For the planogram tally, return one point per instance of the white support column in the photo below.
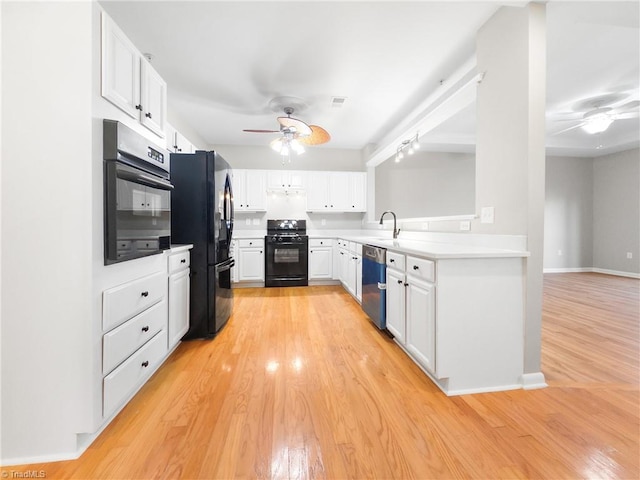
(510, 150)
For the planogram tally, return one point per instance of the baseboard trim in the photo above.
(617, 273)
(532, 381)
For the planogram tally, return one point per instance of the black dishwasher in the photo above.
(374, 286)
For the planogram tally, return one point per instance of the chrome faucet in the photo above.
(396, 231)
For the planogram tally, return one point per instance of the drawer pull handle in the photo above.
(184, 260)
(145, 364)
(392, 260)
(145, 294)
(406, 284)
(399, 281)
(145, 328)
(415, 267)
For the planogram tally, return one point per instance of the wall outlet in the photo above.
(323, 222)
(256, 221)
(487, 214)
(629, 255)
(465, 225)
(247, 221)
(559, 253)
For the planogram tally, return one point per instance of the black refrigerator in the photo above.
(202, 214)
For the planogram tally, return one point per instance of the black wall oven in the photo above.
(137, 195)
(286, 259)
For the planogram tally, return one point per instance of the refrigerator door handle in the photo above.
(228, 207)
(226, 265)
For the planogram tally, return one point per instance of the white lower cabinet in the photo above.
(396, 321)
(179, 291)
(349, 262)
(122, 382)
(320, 259)
(421, 322)
(249, 260)
(134, 342)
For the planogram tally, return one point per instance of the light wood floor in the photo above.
(301, 385)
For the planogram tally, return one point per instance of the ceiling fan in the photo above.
(294, 133)
(600, 113)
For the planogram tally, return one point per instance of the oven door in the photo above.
(137, 213)
(286, 263)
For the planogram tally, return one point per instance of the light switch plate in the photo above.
(487, 215)
(247, 221)
(256, 221)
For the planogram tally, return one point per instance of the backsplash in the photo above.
(293, 205)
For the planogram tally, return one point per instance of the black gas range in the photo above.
(286, 259)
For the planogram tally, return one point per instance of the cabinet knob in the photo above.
(391, 260)
(250, 243)
(138, 107)
(145, 294)
(311, 251)
(184, 260)
(148, 114)
(145, 328)
(415, 267)
(406, 284)
(145, 364)
(321, 243)
(399, 281)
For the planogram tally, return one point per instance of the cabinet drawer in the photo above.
(142, 245)
(124, 380)
(251, 242)
(395, 260)
(125, 301)
(320, 242)
(179, 261)
(421, 268)
(122, 341)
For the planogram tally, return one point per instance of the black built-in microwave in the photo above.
(137, 195)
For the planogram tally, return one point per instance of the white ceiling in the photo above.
(225, 61)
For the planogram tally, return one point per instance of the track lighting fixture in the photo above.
(410, 145)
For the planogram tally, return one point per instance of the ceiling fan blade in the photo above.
(627, 106)
(261, 131)
(570, 128)
(626, 116)
(300, 127)
(318, 136)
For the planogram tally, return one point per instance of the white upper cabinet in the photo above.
(249, 190)
(285, 180)
(176, 142)
(153, 93)
(337, 192)
(129, 81)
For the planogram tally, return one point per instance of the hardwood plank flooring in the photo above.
(300, 384)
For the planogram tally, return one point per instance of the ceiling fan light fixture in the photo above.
(597, 123)
(296, 146)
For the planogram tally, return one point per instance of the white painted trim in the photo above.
(532, 381)
(567, 270)
(605, 271)
(616, 273)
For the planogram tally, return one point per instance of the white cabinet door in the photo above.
(256, 190)
(396, 305)
(351, 282)
(339, 183)
(233, 253)
(359, 277)
(357, 192)
(251, 266)
(421, 322)
(320, 263)
(318, 192)
(344, 266)
(179, 286)
(249, 190)
(120, 69)
(285, 180)
(153, 93)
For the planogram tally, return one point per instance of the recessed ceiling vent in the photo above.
(338, 102)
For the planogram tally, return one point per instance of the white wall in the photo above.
(46, 223)
(510, 147)
(568, 222)
(616, 211)
(440, 184)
